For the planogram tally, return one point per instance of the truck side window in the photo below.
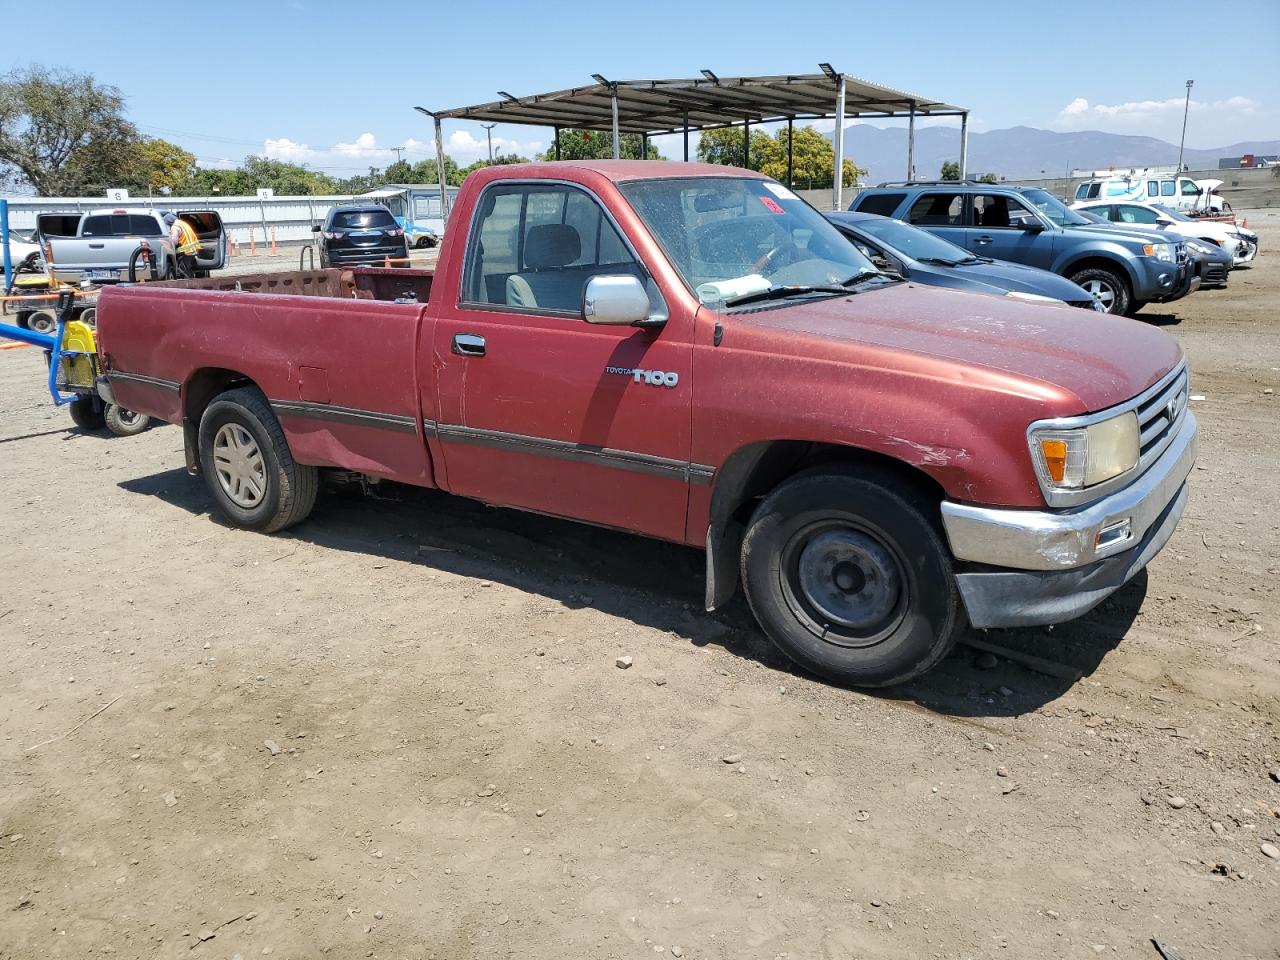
(535, 247)
(937, 210)
(1190, 189)
(1166, 188)
(1153, 188)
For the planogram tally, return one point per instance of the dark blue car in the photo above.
(920, 256)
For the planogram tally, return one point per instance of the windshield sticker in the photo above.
(779, 191)
(772, 205)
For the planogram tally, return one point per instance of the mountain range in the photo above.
(1024, 152)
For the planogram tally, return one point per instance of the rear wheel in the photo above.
(125, 423)
(42, 321)
(1107, 287)
(86, 413)
(248, 467)
(850, 579)
(89, 317)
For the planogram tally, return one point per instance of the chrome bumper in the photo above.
(1065, 539)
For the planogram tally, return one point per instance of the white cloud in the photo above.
(1150, 117)
(288, 150)
(464, 147)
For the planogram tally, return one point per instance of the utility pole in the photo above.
(398, 151)
(488, 132)
(1185, 110)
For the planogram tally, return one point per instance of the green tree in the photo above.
(288, 179)
(598, 145)
(989, 178)
(154, 164)
(950, 170)
(723, 145)
(813, 159)
(61, 132)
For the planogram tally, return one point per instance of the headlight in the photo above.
(1085, 456)
(1033, 297)
(1161, 251)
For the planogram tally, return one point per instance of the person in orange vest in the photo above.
(185, 243)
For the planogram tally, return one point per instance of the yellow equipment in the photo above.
(78, 366)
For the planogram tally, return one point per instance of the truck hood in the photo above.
(1099, 359)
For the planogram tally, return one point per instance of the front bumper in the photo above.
(1048, 566)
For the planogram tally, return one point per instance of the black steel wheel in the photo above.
(847, 572)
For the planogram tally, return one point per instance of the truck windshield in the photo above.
(735, 236)
(1053, 208)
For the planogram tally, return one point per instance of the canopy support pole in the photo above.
(617, 140)
(791, 182)
(911, 142)
(444, 180)
(746, 144)
(964, 145)
(644, 146)
(686, 136)
(837, 139)
(557, 153)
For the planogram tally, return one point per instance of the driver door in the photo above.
(540, 410)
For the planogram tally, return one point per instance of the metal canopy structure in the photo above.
(656, 107)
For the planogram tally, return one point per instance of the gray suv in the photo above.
(1124, 269)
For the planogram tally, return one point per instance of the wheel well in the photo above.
(752, 472)
(1100, 263)
(203, 385)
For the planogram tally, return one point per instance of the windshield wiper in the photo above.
(975, 260)
(940, 261)
(862, 276)
(782, 292)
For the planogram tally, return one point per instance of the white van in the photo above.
(1170, 190)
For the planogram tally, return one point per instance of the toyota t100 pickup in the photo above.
(693, 353)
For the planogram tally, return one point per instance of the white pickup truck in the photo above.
(96, 247)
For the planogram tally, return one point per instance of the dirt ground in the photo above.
(398, 731)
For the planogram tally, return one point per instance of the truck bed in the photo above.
(363, 283)
(334, 352)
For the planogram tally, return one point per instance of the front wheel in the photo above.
(1105, 286)
(125, 423)
(247, 465)
(851, 579)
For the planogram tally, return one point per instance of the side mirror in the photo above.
(618, 301)
(1032, 226)
(315, 228)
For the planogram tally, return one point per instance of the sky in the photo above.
(317, 82)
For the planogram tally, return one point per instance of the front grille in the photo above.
(1160, 413)
(1215, 273)
(1180, 252)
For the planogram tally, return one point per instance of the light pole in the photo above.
(488, 132)
(1185, 110)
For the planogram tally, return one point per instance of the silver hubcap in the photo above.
(43, 323)
(1101, 291)
(851, 583)
(127, 417)
(238, 462)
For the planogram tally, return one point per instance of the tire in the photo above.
(86, 413)
(817, 549)
(125, 423)
(1106, 285)
(43, 321)
(89, 317)
(260, 487)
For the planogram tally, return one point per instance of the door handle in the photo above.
(96, 246)
(468, 345)
(982, 239)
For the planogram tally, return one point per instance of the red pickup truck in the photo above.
(693, 353)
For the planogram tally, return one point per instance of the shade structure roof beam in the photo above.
(650, 106)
